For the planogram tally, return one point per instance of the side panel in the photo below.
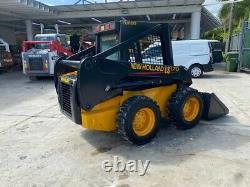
(108, 110)
(199, 54)
(160, 95)
(189, 53)
(102, 117)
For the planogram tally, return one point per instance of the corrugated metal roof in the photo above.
(208, 20)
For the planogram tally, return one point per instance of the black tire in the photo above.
(196, 71)
(176, 106)
(126, 116)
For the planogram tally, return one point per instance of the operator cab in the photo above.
(113, 33)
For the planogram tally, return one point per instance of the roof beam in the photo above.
(90, 25)
(130, 12)
(12, 26)
(10, 13)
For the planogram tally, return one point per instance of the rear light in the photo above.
(45, 66)
(107, 26)
(97, 29)
(25, 65)
(211, 57)
(102, 27)
(55, 57)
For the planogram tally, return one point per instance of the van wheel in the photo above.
(138, 120)
(196, 71)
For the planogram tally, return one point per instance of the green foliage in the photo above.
(241, 11)
(215, 34)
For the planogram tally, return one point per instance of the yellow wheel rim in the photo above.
(191, 109)
(143, 122)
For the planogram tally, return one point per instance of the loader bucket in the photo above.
(213, 107)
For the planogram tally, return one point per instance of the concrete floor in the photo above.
(41, 147)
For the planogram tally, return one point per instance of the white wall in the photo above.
(8, 35)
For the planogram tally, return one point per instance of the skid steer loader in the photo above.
(117, 85)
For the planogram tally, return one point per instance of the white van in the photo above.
(195, 55)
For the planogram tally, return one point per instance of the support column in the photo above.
(29, 30)
(195, 24)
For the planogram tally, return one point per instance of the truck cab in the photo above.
(39, 55)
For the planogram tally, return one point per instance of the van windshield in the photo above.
(43, 38)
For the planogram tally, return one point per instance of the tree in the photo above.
(241, 11)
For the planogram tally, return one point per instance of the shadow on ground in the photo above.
(171, 146)
(222, 75)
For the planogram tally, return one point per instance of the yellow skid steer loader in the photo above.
(127, 82)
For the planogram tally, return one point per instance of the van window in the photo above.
(216, 46)
(43, 38)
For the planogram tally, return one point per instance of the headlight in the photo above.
(55, 57)
(24, 64)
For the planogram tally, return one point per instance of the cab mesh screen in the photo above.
(147, 50)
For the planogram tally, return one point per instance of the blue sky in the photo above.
(212, 8)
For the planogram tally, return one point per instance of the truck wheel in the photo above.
(138, 120)
(185, 108)
(196, 71)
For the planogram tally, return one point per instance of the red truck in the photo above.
(39, 56)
